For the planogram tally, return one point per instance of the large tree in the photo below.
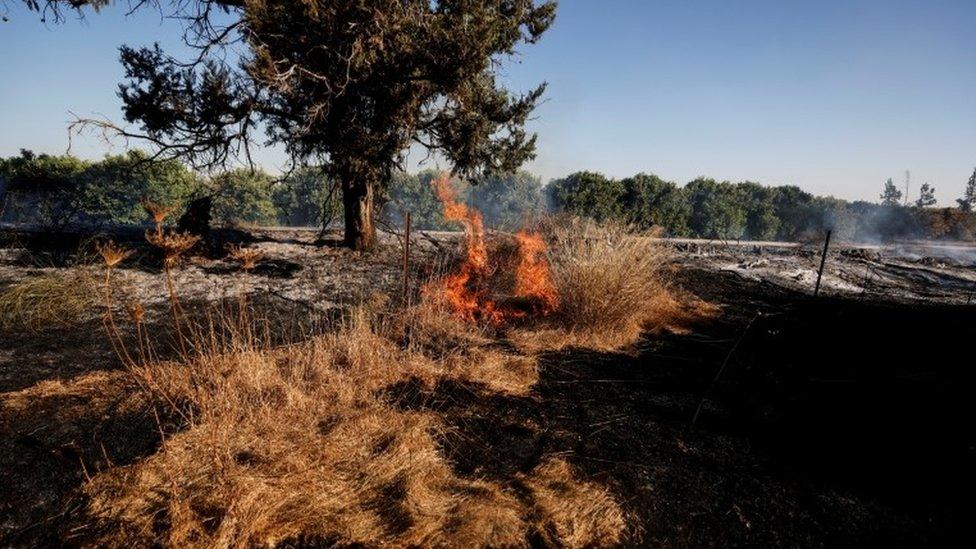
(351, 85)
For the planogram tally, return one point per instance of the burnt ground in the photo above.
(836, 422)
(844, 420)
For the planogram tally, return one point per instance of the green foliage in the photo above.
(56, 191)
(414, 193)
(504, 200)
(650, 201)
(243, 197)
(762, 223)
(718, 210)
(890, 196)
(306, 198)
(588, 194)
(111, 190)
(829, 213)
(926, 196)
(42, 188)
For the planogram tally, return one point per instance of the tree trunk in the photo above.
(357, 203)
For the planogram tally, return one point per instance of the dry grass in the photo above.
(297, 444)
(613, 285)
(308, 443)
(57, 299)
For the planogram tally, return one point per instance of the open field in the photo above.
(831, 422)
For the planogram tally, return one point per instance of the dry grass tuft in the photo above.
(575, 512)
(613, 285)
(50, 300)
(296, 445)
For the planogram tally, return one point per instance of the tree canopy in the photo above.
(348, 85)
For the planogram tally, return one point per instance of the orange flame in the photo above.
(464, 291)
(532, 277)
(468, 302)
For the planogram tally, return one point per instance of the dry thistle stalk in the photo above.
(112, 253)
(158, 212)
(247, 257)
(174, 244)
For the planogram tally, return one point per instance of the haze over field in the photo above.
(835, 97)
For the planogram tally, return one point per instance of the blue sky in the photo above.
(833, 96)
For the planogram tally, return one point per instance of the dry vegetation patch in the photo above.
(270, 441)
(613, 285)
(296, 444)
(56, 299)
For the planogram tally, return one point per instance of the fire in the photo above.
(532, 277)
(466, 292)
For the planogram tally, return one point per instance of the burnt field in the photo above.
(775, 420)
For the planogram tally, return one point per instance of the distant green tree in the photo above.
(56, 191)
(507, 200)
(243, 197)
(717, 209)
(968, 201)
(588, 194)
(926, 196)
(650, 201)
(762, 223)
(307, 198)
(797, 214)
(890, 196)
(43, 189)
(110, 191)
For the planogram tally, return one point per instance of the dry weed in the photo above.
(247, 257)
(173, 244)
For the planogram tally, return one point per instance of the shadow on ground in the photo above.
(834, 423)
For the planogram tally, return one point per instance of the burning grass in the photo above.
(613, 284)
(572, 283)
(57, 299)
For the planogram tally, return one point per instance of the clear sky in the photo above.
(834, 96)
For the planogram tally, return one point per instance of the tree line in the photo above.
(706, 208)
(58, 191)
